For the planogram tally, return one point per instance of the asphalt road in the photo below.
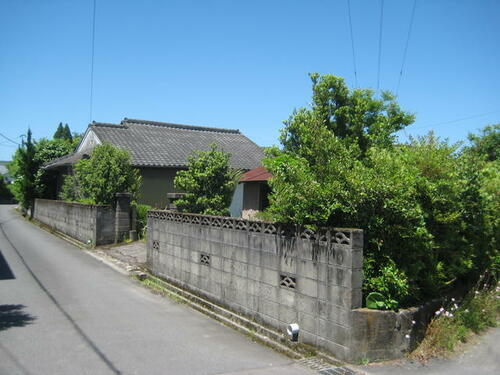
(64, 312)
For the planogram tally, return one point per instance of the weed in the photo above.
(456, 323)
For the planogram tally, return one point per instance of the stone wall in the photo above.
(82, 222)
(276, 274)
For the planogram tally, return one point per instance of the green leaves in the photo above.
(108, 171)
(427, 210)
(208, 183)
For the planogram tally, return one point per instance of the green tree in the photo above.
(24, 172)
(209, 183)
(59, 132)
(419, 204)
(45, 151)
(97, 180)
(63, 132)
(67, 134)
(487, 143)
(354, 116)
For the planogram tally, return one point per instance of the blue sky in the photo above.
(241, 64)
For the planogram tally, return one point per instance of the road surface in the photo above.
(64, 312)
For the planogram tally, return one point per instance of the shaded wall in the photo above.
(82, 222)
(276, 274)
(156, 183)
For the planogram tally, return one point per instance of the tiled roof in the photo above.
(64, 161)
(161, 144)
(256, 174)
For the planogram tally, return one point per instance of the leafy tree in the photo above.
(419, 204)
(487, 143)
(45, 151)
(209, 183)
(97, 180)
(356, 117)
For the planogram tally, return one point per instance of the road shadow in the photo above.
(5, 271)
(14, 316)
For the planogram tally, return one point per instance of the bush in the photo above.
(208, 183)
(142, 220)
(456, 322)
(423, 206)
(98, 179)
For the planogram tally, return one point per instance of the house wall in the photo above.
(156, 183)
(237, 201)
(276, 274)
(82, 222)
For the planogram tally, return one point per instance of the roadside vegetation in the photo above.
(458, 321)
(30, 179)
(429, 209)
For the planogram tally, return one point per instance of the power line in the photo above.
(10, 140)
(456, 120)
(406, 45)
(380, 42)
(352, 43)
(92, 65)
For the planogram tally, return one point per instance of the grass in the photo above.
(457, 322)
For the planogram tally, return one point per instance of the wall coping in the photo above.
(324, 235)
(72, 203)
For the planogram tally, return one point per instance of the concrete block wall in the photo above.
(277, 274)
(83, 222)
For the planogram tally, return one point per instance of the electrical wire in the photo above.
(92, 65)
(10, 140)
(352, 43)
(406, 45)
(456, 120)
(380, 42)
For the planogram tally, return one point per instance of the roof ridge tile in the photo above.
(127, 121)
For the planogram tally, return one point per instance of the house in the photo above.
(159, 150)
(254, 189)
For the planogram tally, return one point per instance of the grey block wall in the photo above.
(83, 222)
(277, 274)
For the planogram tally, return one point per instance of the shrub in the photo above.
(142, 220)
(421, 205)
(208, 183)
(98, 179)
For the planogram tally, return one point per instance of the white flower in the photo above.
(413, 322)
(407, 336)
(466, 310)
(453, 299)
(450, 315)
(456, 306)
(441, 309)
(476, 292)
(483, 310)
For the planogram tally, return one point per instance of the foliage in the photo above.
(63, 132)
(5, 193)
(456, 322)
(208, 183)
(487, 143)
(24, 167)
(45, 151)
(142, 220)
(353, 116)
(421, 204)
(98, 179)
